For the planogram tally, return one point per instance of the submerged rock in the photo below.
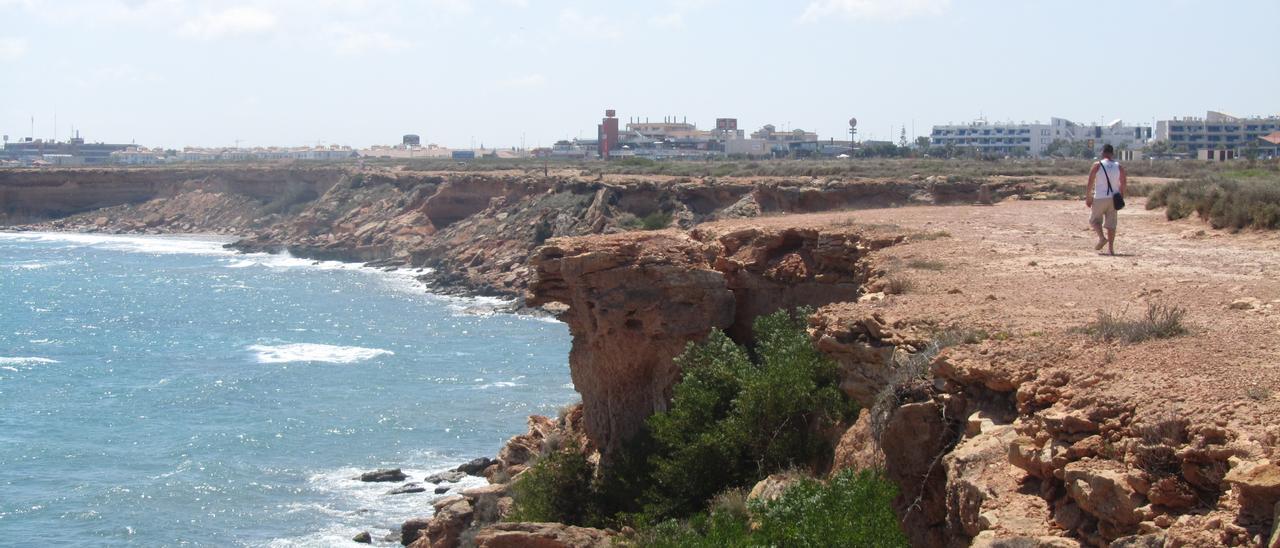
(407, 488)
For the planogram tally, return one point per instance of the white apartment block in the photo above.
(1033, 139)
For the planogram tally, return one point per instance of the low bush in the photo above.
(734, 420)
(1161, 321)
(1231, 203)
(853, 509)
(556, 488)
(655, 221)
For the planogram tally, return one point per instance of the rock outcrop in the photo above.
(541, 535)
(635, 300)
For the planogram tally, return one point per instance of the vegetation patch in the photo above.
(737, 415)
(1225, 202)
(734, 420)
(556, 488)
(1161, 321)
(853, 509)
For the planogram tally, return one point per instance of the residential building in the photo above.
(1215, 131)
(1033, 139)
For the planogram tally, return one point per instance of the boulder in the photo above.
(451, 476)
(1139, 541)
(475, 467)
(772, 487)
(444, 530)
(441, 490)
(385, 474)
(541, 535)
(411, 529)
(1259, 486)
(858, 448)
(363, 537)
(1101, 490)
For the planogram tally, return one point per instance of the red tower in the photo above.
(607, 134)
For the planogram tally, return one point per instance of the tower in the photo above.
(607, 134)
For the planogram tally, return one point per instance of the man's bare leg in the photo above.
(1111, 241)
(1102, 240)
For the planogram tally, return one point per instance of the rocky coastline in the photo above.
(1030, 434)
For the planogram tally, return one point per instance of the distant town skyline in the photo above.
(507, 73)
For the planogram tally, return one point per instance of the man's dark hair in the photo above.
(1108, 150)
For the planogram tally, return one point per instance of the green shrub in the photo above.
(853, 509)
(733, 421)
(656, 221)
(556, 488)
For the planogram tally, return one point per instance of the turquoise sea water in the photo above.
(163, 391)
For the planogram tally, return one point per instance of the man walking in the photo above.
(1106, 179)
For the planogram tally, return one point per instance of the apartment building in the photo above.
(1033, 139)
(1216, 131)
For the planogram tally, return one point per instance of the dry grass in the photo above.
(1161, 321)
(898, 285)
(927, 236)
(926, 264)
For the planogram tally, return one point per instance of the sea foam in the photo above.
(310, 352)
(157, 245)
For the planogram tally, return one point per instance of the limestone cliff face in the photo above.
(636, 300)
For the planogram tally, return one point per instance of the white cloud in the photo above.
(527, 81)
(882, 10)
(230, 22)
(355, 42)
(451, 6)
(589, 26)
(673, 20)
(12, 48)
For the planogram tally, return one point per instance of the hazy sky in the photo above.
(457, 72)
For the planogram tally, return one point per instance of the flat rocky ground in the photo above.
(1026, 272)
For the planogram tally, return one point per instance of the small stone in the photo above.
(992, 298)
(363, 537)
(954, 291)
(1248, 303)
(442, 490)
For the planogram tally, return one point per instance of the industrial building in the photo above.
(1033, 139)
(1216, 131)
(74, 151)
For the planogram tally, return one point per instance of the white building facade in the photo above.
(1033, 139)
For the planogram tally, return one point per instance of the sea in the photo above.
(165, 391)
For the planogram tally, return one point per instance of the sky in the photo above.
(503, 73)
